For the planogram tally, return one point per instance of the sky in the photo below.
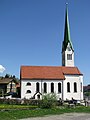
(32, 32)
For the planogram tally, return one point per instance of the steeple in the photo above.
(67, 47)
(67, 38)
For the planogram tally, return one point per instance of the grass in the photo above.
(18, 114)
(10, 107)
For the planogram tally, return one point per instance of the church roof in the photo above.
(67, 38)
(47, 72)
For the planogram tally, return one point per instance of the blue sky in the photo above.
(32, 31)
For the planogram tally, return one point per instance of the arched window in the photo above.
(28, 84)
(68, 87)
(37, 87)
(59, 87)
(45, 88)
(52, 87)
(75, 87)
(28, 91)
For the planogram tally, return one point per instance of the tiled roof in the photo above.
(47, 72)
(71, 71)
(5, 80)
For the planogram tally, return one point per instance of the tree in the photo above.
(16, 80)
(49, 101)
(7, 76)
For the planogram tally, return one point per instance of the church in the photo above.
(65, 81)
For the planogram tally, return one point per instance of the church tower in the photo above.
(67, 47)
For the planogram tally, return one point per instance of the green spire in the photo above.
(67, 38)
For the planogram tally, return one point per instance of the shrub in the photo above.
(19, 101)
(48, 101)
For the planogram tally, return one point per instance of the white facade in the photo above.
(64, 94)
(32, 87)
(78, 94)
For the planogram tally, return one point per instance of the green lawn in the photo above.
(18, 114)
(13, 107)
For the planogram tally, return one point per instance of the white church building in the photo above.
(65, 81)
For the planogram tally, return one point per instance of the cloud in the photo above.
(2, 69)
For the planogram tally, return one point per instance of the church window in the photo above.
(28, 84)
(37, 87)
(69, 56)
(68, 87)
(45, 87)
(52, 87)
(59, 87)
(75, 87)
(28, 91)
